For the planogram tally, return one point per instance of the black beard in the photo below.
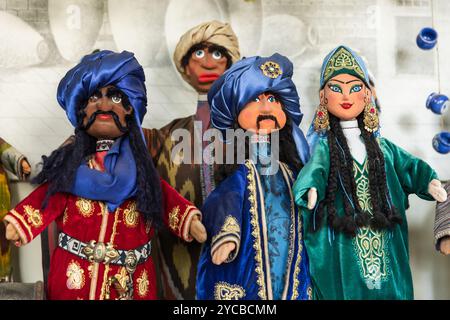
(262, 117)
(98, 112)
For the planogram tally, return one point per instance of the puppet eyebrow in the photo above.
(345, 82)
(113, 92)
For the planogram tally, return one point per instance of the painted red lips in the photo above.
(208, 77)
(346, 105)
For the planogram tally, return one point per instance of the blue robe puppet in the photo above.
(251, 208)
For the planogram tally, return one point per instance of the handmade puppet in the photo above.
(442, 224)
(16, 163)
(201, 56)
(357, 188)
(102, 189)
(255, 248)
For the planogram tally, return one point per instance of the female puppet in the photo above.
(255, 248)
(102, 188)
(358, 186)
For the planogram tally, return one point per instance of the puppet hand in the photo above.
(444, 245)
(197, 230)
(312, 198)
(223, 252)
(436, 191)
(11, 233)
(26, 168)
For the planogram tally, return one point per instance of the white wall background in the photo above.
(40, 40)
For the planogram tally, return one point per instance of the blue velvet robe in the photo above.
(234, 211)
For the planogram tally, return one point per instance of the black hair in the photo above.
(59, 169)
(211, 47)
(287, 152)
(341, 176)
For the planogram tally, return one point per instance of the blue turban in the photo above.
(98, 70)
(246, 80)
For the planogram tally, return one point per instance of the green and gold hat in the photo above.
(343, 60)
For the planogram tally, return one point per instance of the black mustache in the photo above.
(262, 117)
(114, 116)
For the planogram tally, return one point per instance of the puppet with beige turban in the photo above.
(202, 54)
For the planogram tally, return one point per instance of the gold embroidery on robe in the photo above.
(122, 277)
(230, 225)
(65, 216)
(142, 284)
(85, 207)
(33, 216)
(173, 218)
(75, 276)
(131, 215)
(255, 230)
(226, 291)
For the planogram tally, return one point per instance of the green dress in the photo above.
(373, 264)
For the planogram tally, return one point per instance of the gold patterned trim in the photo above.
(65, 216)
(188, 214)
(226, 291)
(33, 216)
(255, 230)
(19, 216)
(111, 243)
(143, 284)
(288, 177)
(342, 59)
(75, 276)
(230, 226)
(131, 215)
(173, 218)
(85, 207)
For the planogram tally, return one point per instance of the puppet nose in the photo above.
(104, 104)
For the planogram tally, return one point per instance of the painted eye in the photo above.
(116, 99)
(256, 99)
(272, 99)
(217, 55)
(356, 88)
(93, 98)
(335, 88)
(199, 54)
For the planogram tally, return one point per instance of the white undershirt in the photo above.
(354, 140)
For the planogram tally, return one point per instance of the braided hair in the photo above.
(384, 214)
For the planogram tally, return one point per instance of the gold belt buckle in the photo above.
(100, 252)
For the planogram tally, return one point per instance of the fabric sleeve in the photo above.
(413, 173)
(155, 140)
(178, 212)
(30, 219)
(313, 175)
(442, 219)
(11, 159)
(222, 212)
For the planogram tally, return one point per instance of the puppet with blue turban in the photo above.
(255, 248)
(354, 191)
(102, 189)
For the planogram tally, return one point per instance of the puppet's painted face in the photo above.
(105, 112)
(206, 64)
(345, 96)
(264, 114)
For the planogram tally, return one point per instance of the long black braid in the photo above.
(341, 176)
